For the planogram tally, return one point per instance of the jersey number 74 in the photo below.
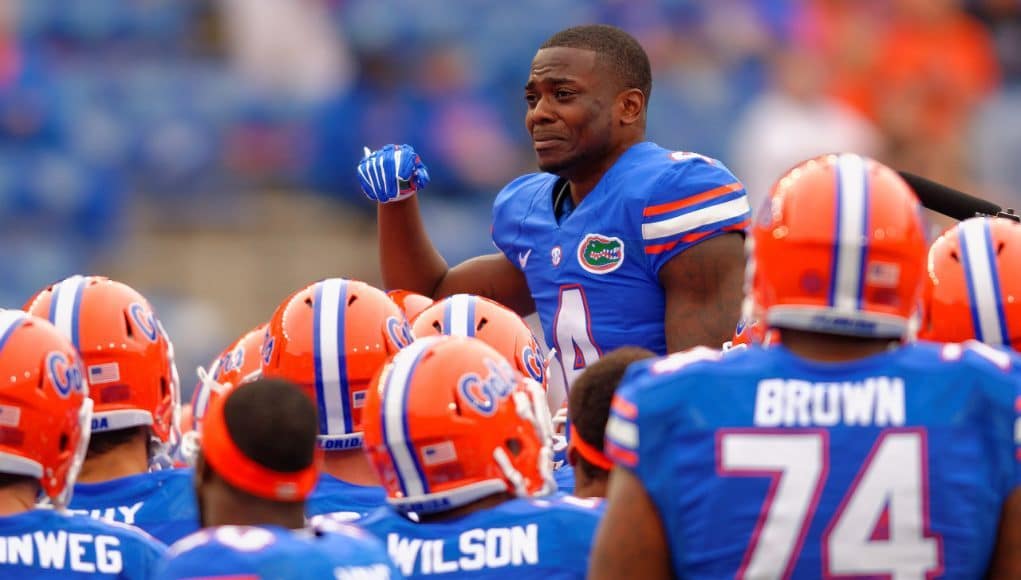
(894, 478)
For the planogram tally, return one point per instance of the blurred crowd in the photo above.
(185, 106)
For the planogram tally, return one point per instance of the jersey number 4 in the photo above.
(572, 326)
(881, 526)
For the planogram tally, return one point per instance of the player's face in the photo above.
(569, 117)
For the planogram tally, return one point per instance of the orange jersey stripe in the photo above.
(621, 455)
(689, 201)
(689, 238)
(625, 408)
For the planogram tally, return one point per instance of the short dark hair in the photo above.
(273, 423)
(104, 442)
(588, 404)
(11, 479)
(622, 52)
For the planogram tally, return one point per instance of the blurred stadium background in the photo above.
(203, 151)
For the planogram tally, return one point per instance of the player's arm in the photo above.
(704, 288)
(1006, 561)
(630, 541)
(410, 261)
(692, 230)
(408, 258)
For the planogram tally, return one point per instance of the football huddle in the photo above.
(806, 389)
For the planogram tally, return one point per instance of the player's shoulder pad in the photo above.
(647, 398)
(683, 175)
(976, 356)
(522, 190)
(376, 516)
(224, 539)
(586, 506)
(648, 373)
(343, 529)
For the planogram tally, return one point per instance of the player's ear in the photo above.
(202, 471)
(630, 106)
(572, 456)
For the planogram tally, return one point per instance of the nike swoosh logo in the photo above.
(523, 258)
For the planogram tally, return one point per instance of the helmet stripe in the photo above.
(459, 315)
(983, 281)
(395, 418)
(65, 306)
(994, 270)
(10, 320)
(470, 317)
(851, 244)
(332, 390)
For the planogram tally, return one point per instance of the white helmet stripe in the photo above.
(983, 281)
(65, 305)
(331, 386)
(852, 235)
(395, 423)
(460, 315)
(10, 320)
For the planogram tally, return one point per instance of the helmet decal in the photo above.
(66, 377)
(145, 320)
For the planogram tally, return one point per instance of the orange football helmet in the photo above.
(488, 321)
(45, 410)
(330, 339)
(239, 363)
(449, 421)
(129, 360)
(411, 303)
(839, 247)
(971, 291)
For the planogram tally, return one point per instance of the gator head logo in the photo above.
(600, 254)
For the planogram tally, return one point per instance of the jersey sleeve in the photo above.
(695, 199)
(633, 427)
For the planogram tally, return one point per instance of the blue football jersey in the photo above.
(764, 464)
(43, 543)
(343, 500)
(594, 274)
(339, 551)
(520, 538)
(160, 502)
(565, 478)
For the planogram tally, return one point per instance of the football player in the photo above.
(617, 242)
(239, 363)
(488, 321)
(502, 329)
(971, 291)
(45, 415)
(455, 435)
(840, 451)
(330, 338)
(256, 466)
(588, 411)
(129, 366)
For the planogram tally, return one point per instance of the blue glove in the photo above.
(392, 173)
